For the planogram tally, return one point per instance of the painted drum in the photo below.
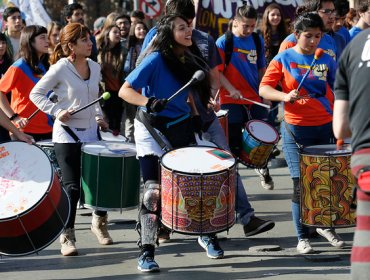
(326, 184)
(198, 190)
(258, 141)
(34, 208)
(110, 176)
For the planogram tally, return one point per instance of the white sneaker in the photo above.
(266, 181)
(304, 247)
(330, 235)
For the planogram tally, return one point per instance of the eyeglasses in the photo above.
(328, 11)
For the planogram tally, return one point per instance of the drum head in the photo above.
(110, 149)
(45, 143)
(25, 176)
(324, 150)
(108, 136)
(262, 131)
(197, 160)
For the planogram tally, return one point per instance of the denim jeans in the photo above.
(243, 209)
(305, 136)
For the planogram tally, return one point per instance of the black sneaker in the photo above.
(257, 226)
(146, 262)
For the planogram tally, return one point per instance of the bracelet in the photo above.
(13, 117)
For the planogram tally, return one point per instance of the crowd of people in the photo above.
(254, 66)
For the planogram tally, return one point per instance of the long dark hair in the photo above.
(7, 59)
(183, 71)
(28, 52)
(115, 55)
(132, 39)
(267, 29)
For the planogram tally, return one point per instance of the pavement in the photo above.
(270, 255)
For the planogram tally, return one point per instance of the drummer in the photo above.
(8, 125)
(74, 78)
(308, 113)
(169, 64)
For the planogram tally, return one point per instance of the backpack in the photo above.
(229, 45)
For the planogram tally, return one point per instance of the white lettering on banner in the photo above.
(225, 7)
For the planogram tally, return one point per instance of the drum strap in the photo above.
(142, 117)
(300, 147)
(71, 133)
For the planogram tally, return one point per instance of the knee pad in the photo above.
(152, 195)
(296, 191)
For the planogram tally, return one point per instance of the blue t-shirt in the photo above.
(155, 79)
(345, 33)
(354, 31)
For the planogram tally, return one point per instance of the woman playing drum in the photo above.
(307, 113)
(74, 78)
(169, 65)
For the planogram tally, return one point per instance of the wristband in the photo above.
(13, 116)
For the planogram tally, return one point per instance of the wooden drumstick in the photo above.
(255, 102)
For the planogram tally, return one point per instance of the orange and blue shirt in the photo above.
(20, 80)
(316, 106)
(327, 43)
(242, 71)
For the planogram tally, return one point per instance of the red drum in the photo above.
(259, 139)
(326, 187)
(198, 190)
(33, 207)
(222, 116)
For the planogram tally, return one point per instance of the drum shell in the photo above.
(110, 183)
(37, 227)
(48, 148)
(326, 188)
(222, 117)
(198, 203)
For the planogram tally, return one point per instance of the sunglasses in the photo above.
(328, 11)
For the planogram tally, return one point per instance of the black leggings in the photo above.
(69, 160)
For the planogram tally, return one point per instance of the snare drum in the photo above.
(198, 190)
(259, 139)
(48, 148)
(34, 208)
(326, 184)
(222, 116)
(110, 176)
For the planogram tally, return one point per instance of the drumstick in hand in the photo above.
(254, 102)
(105, 96)
(52, 97)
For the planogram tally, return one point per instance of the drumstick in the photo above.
(105, 96)
(255, 102)
(52, 97)
(217, 94)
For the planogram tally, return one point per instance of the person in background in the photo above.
(74, 12)
(363, 22)
(124, 24)
(136, 16)
(351, 18)
(342, 8)
(98, 25)
(6, 61)
(274, 31)
(54, 29)
(111, 57)
(351, 119)
(136, 37)
(13, 22)
(307, 113)
(21, 77)
(74, 78)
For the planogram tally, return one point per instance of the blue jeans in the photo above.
(243, 209)
(305, 136)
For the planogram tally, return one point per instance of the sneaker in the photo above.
(304, 247)
(257, 226)
(330, 235)
(67, 241)
(275, 152)
(266, 180)
(146, 262)
(210, 244)
(163, 235)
